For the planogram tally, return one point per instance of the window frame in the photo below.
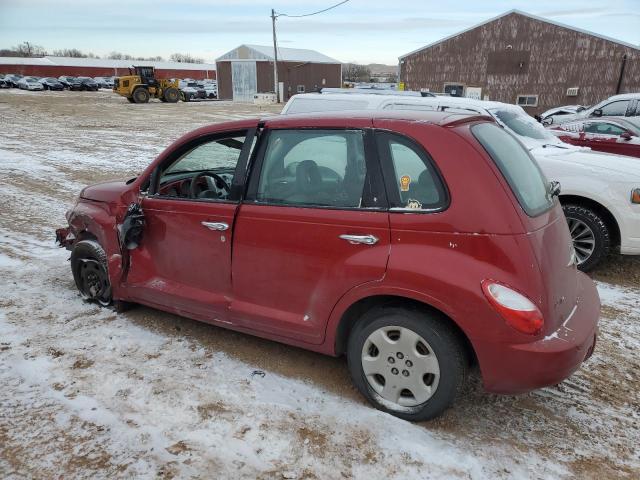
(300, 89)
(526, 96)
(508, 178)
(596, 123)
(389, 173)
(373, 184)
(240, 172)
(626, 110)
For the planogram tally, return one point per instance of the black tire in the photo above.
(163, 100)
(185, 97)
(131, 100)
(171, 95)
(444, 343)
(141, 95)
(90, 272)
(600, 230)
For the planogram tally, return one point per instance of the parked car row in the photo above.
(52, 83)
(198, 90)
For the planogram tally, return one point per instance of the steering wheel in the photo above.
(218, 184)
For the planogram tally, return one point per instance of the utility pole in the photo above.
(275, 56)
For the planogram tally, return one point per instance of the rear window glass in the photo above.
(520, 170)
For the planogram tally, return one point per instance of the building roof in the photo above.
(261, 52)
(524, 14)
(102, 63)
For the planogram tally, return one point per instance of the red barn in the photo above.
(97, 67)
(524, 59)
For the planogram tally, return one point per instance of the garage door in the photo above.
(243, 77)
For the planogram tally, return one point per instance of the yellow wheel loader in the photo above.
(143, 85)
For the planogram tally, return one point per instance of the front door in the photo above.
(313, 226)
(184, 259)
(606, 137)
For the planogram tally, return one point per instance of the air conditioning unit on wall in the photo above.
(572, 91)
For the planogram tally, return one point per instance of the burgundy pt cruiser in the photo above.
(415, 243)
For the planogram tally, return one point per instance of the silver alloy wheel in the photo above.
(584, 240)
(400, 366)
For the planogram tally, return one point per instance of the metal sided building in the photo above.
(527, 60)
(248, 69)
(50, 66)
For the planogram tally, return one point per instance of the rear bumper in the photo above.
(519, 368)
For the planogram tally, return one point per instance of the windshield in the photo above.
(523, 125)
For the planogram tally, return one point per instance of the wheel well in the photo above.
(355, 311)
(606, 215)
(86, 235)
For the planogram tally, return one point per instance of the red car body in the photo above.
(604, 134)
(283, 273)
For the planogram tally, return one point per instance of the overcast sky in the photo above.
(365, 31)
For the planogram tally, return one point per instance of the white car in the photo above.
(624, 105)
(552, 115)
(600, 192)
(211, 89)
(30, 83)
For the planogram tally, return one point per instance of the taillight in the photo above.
(516, 309)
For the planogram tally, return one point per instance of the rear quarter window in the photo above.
(521, 171)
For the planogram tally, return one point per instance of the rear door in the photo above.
(313, 226)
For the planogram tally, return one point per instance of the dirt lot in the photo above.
(87, 393)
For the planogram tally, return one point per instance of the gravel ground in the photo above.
(88, 393)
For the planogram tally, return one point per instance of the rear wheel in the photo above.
(590, 235)
(171, 95)
(141, 95)
(89, 268)
(131, 100)
(406, 362)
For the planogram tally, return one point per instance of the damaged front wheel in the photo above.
(89, 268)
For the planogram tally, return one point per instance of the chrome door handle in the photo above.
(219, 226)
(365, 239)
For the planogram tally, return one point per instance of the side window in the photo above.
(415, 182)
(313, 168)
(618, 108)
(204, 171)
(604, 129)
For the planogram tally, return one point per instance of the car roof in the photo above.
(376, 101)
(433, 117)
(623, 96)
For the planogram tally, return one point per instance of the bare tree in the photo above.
(185, 58)
(25, 49)
(353, 72)
(69, 52)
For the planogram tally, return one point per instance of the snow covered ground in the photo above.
(88, 393)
